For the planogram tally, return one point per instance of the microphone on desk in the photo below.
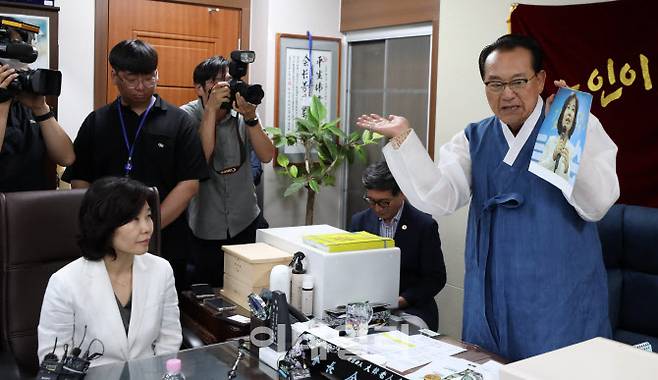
(234, 370)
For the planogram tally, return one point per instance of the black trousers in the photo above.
(175, 245)
(208, 257)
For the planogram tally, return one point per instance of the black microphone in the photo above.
(50, 367)
(234, 370)
(23, 52)
(74, 367)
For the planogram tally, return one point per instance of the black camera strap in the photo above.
(243, 153)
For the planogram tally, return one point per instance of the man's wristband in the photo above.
(44, 117)
(252, 123)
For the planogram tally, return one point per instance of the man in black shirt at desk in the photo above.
(141, 136)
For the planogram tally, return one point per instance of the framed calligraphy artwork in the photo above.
(305, 67)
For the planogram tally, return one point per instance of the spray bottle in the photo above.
(297, 276)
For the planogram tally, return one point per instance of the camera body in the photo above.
(17, 43)
(39, 81)
(237, 68)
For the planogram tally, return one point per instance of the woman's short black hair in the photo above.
(510, 42)
(108, 204)
(560, 125)
(209, 69)
(378, 177)
(135, 56)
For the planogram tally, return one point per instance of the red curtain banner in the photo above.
(611, 51)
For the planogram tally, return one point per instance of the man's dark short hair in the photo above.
(108, 204)
(378, 177)
(209, 69)
(135, 56)
(560, 124)
(509, 42)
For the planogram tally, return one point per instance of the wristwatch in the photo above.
(252, 123)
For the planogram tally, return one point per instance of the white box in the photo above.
(598, 358)
(341, 277)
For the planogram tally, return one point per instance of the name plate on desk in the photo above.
(328, 359)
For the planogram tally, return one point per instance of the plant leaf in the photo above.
(293, 171)
(291, 139)
(336, 131)
(306, 125)
(331, 146)
(360, 154)
(313, 184)
(317, 110)
(366, 136)
(282, 160)
(273, 131)
(330, 180)
(354, 136)
(293, 188)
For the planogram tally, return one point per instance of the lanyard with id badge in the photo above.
(128, 167)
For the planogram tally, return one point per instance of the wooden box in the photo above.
(247, 269)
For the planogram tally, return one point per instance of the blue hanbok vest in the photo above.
(535, 279)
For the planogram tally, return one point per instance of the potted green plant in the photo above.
(326, 147)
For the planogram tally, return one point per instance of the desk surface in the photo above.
(214, 361)
(205, 363)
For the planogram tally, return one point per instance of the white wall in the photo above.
(76, 62)
(465, 27)
(321, 18)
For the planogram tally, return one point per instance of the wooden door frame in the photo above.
(101, 36)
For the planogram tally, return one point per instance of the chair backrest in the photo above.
(629, 239)
(38, 236)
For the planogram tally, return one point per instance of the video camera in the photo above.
(17, 43)
(237, 67)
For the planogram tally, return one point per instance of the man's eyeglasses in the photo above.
(147, 80)
(383, 203)
(497, 86)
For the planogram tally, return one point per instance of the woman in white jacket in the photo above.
(116, 298)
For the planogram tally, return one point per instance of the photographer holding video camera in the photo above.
(28, 129)
(225, 210)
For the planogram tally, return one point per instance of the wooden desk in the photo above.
(211, 326)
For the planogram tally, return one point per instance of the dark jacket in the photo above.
(422, 270)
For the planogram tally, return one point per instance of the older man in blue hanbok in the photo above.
(535, 279)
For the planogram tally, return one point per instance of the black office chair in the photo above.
(629, 239)
(38, 231)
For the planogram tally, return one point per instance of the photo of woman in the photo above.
(558, 151)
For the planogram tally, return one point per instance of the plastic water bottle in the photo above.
(173, 370)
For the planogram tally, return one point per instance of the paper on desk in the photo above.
(404, 352)
(239, 318)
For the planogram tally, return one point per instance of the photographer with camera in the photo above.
(225, 211)
(28, 129)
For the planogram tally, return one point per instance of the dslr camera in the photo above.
(237, 67)
(17, 48)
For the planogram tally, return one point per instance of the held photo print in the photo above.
(559, 146)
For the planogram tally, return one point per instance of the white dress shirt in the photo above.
(440, 189)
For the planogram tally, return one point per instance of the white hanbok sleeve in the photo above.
(597, 187)
(435, 189)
